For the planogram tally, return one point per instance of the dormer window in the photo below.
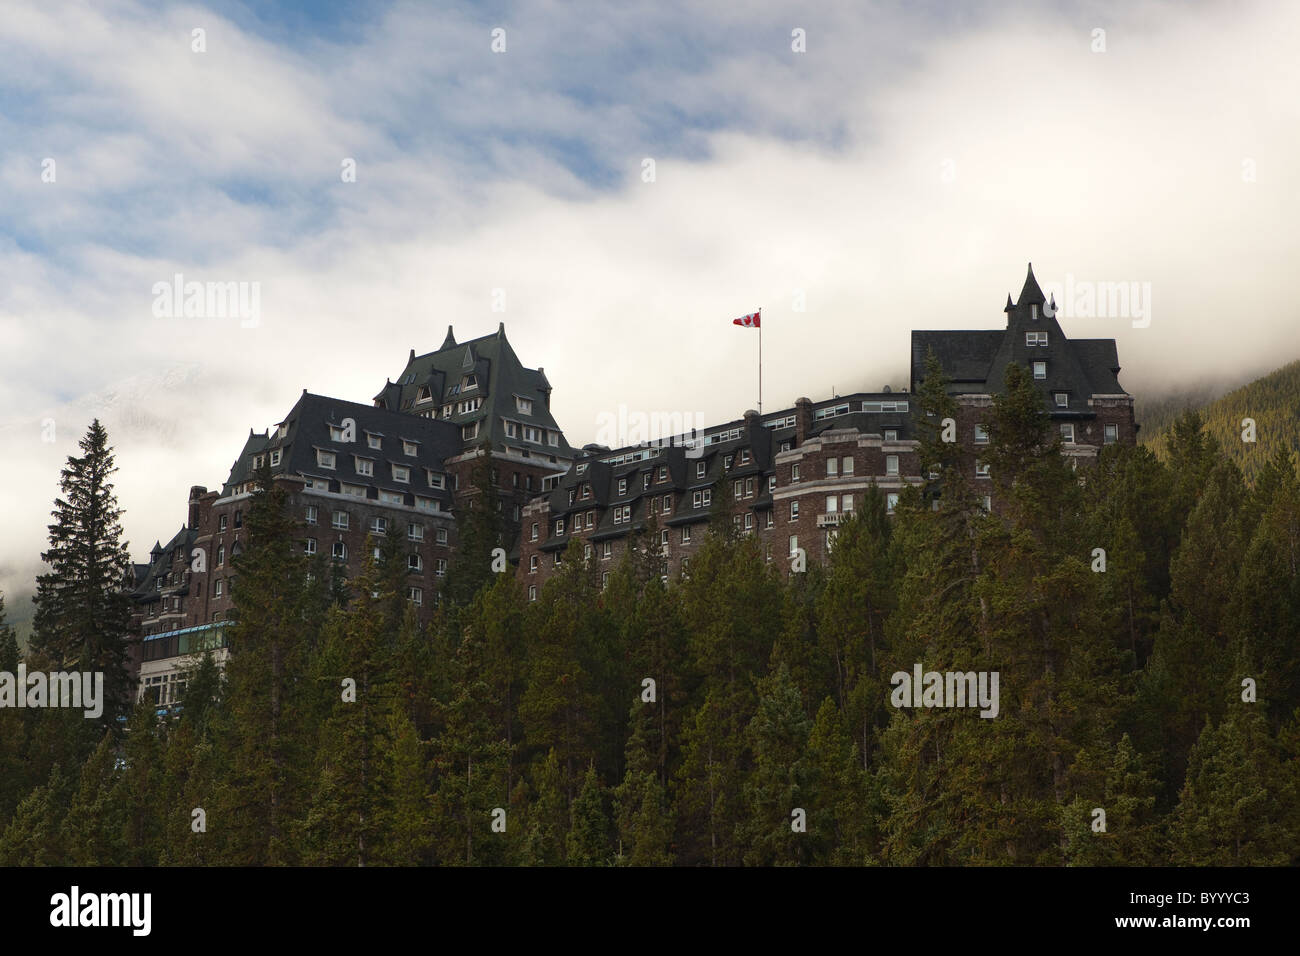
(324, 459)
(891, 434)
(1033, 339)
(699, 469)
(275, 458)
(470, 382)
(365, 467)
(1040, 370)
(524, 405)
(410, 448)
(1062, 400)
(337, 433)
(374, 441)
(401, 473)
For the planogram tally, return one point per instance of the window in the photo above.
(586, 489)
(414, 562)
(532, 592)
(1062, 400)
(702, 498)
(726, 463)
(846, 465)
(402, 473)
(379, 525)
(311, 514)
(891, 434)
(559, 526)
(586, 552)
(832, 504)
(1035, 338)
(663, 537)
(469, 432)
(737, 489)
(415, 532)
(325, 459)
(591, 519)
(607, 551)
(378, 554)
(744, 456)
(340, 520)
(686, 534)
(374, 441)
(356, 491)
(735, 522)
(524, 405)
(221, 555)
(794, 473)
(891, 464)
(392, 497)
(553, 438)
(512, 430)
(440, 567)
(275, 458)
(847, 507)
(832, 467)
(794, 510)
(604, 580)
(794, 544)
(1067, 432)
(771, 518)
(340, 550)
(668, 504)
(216, 589)
(423, 394)
(1040, 370)
(441, 536)
(410, 448)
(427, 504)
(533, 534)
(981, 435)
(663, 472)
(891, 502)
(470, 381)
(749, 522)
(622, 486)
(771, 483)
(785, 446)
(338, 434)
(1112, 434)
(532, 434)
(415, 595)
(981, 471)
(749, 487)
(221, 523)
(699, 469)
(365, 467)
(988, 502)
(532, 565)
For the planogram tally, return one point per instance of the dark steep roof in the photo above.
(977, 361)
(307, 428)
(500, 377)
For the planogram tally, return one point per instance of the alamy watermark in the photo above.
(54, 689)
(624, 428)
(952, 689)
(208, 300)
(1086, 299)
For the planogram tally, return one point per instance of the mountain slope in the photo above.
(1273, 401)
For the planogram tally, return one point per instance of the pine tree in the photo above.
(778, 787)
(83, 608)
(588, 840)
(479, 531)
(267, 701)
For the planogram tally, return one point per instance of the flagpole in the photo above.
(760, 360)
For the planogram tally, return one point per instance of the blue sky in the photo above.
(897, 174)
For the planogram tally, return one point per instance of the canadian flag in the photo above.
(750, 321)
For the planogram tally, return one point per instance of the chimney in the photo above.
(196, 492)
(803, 419)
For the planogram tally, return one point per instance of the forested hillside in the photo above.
(1273, 402)
(1144, 624)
